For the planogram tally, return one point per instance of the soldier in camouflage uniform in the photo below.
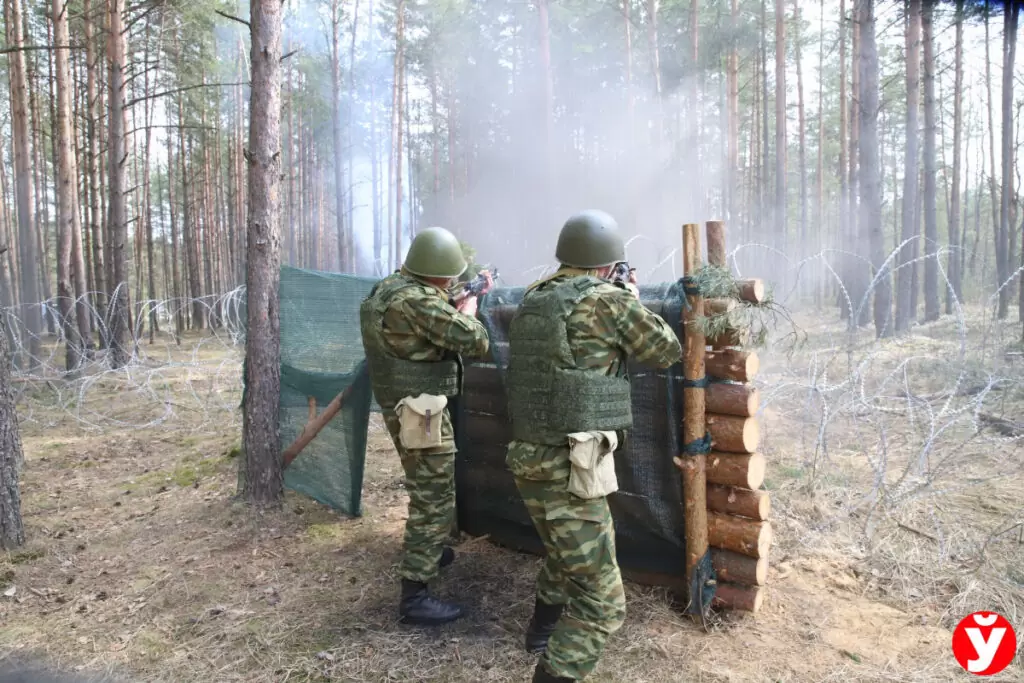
(569, 342)
(414, 339)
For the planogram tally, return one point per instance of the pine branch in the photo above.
(234, 18)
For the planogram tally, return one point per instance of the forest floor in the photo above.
(140, 564)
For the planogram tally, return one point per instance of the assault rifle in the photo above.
(622, 272)
(474, 287)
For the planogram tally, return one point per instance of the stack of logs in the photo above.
(738, 531)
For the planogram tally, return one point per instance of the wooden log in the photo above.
(718, 306)
(739, 534)
(692, 466)
(744, 502)
(730, 336)
(733, 469)
(736, 597)
(317, 423)
(752, 291)
(715, 231)
(733, 434)
(732, 364)
(736, 568)
(732, 399)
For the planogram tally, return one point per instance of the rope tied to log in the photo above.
(702, 589)
(701, 383)
(699, 446)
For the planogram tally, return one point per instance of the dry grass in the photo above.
(140, 563)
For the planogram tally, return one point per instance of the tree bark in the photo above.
(955, 291)
(1010, 15)
(910, 230)
(67, 178)
(780, 125)
(400, 88)
(340, 193)
(870, 167)
(96, 217)
(263, 484)
(117, 154)
(652, 38)
(733, 173)
(802, 127)
(845, 298)
(12, 530)
(931, 227)
(28, 254)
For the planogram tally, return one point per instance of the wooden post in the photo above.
(692, 466)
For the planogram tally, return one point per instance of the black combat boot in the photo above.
(447, 557)
(541, 627)
(419, 608)
(541, 675)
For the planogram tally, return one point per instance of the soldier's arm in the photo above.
(642, 334)
(439, 323)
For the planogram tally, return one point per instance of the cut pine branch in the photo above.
(737, 597)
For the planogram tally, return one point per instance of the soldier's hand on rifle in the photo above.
(467, 305)
(488, 281)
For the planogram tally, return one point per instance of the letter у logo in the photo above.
(984, 643)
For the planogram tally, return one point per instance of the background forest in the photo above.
(846, 145)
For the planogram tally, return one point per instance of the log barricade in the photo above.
(730, 471)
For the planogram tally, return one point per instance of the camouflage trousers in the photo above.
(580, 572)
(430, 483)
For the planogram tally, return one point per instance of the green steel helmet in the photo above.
(435, 252)
(590, 239)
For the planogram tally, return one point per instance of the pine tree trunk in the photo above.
(397, 118)
(339, 147)
(353, 258)
(12, 531)
(845, 298)
(96, 217)
(780, 211)
(627, 23)
(28, 248)
(820, 208)
(263, 481)
(910, 229)
(802, 127)
(38, 84)
(117, 153)
(179, 313)
(870, 167)
(67, 206)
(733, 177)
(955, 291)
(765, 151)
(652, 38)
(931, 228)
(1010, 17)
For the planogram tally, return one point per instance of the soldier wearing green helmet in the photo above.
(570, 406)
(414, 339)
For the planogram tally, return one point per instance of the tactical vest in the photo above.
(395, 378)
(550, 397)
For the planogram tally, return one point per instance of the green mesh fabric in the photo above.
(321, 355)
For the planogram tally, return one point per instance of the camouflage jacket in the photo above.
(423, 325)
(413, 339)
(607, 327)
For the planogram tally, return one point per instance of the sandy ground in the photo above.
(140, 564)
